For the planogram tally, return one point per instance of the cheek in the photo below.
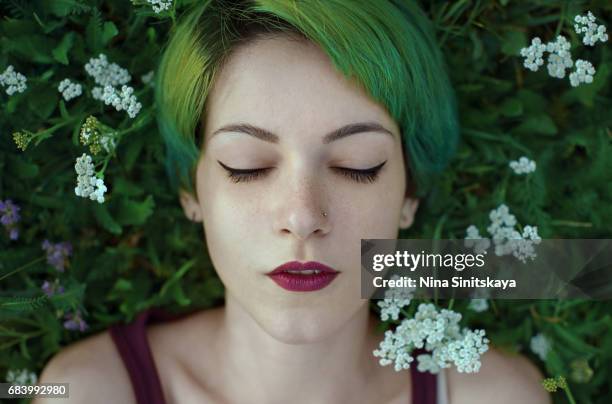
(373, 213)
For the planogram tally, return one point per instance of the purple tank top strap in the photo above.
(133, 346)
(424, 384)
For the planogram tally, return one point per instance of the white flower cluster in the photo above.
(533, 54)
(88, 185)
(21, 377)
(160, 5)
(585, 24)
(105, 73)
(109, 76)
(473, 239)
(506, 239)
(69, 89)
(540, 346)
(583, 74)
(395, 299)
(523, 166)
(478, 305)
(559, 58)
(15, 81)
(123, 100)
(439, 333)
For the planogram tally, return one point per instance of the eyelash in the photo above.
(362, 176)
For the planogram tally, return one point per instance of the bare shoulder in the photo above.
(503, 378)
(94, 370)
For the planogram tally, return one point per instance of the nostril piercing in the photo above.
(324, 214)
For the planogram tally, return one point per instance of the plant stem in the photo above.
(569, 395)
(570, 223)
(22, 267)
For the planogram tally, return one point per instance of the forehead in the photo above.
(285, 84)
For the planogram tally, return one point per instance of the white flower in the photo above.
(478, 305)
(523, 166)
(475, 240)
(500, 218)
(583, 74)
(160, 5)
(124, 100)
(427, 364)
(533, 54)
(108, 76)
(560, 57)
(395, 299)
(88, 185)
(148, 78)
(15, 81)
(105, 73)
(69, 89)
(465, 352)
(585, 24)
(509, 241)
(540, 345)
(21, 377)
(439, 333)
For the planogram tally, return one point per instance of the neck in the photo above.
(260, 368)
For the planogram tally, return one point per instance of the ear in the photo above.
(408, 211)
(190, 205)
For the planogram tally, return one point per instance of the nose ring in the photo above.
(324, 214)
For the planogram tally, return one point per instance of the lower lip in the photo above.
(303, 283)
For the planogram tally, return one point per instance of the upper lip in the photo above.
(301, 266)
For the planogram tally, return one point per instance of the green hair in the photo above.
(387, 47)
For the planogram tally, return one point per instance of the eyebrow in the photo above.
(346, 130)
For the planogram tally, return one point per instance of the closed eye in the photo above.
(367, 175)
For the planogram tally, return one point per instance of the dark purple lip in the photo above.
(298, 266)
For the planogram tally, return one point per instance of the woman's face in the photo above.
(291, 92)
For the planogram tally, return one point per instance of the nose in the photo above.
(300, 210)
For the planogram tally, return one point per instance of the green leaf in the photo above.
(104, 218)
(135, 213)
(127, 188)
(47, 201)
(21, 168)
(109, 31)
(70, 299)
(35, 48)
(63, 111)
(586, 93)
(512, 42)
(23, 304)
(173, 285)
(512, 107)
(93, 32)
(44, 102)
(60, 52)
(574, 342)
(122, 285)
(540, 124)
(62, 8)
(179, 295)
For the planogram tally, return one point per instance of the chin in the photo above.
(302, 325)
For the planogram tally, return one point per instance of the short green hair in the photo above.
(387, 47)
